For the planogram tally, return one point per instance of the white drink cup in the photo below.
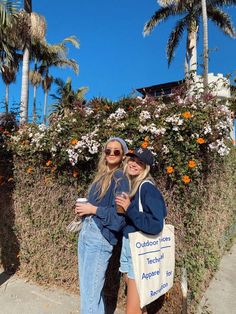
(82, 200)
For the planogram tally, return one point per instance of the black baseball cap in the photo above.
(144, 154)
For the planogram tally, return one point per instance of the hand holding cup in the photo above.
(122, 202)
(84, 208)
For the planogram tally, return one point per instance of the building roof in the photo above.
(159, 89)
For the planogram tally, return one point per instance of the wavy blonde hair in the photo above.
(137, 180)
(104, 175)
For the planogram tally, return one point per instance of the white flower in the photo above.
(119, 114)
(88, 111)
(88, 143)
(129, 141)
(207, 129)
(165, 149)
(143, 128)
(180, 138)
(144, 116)
(220, 147)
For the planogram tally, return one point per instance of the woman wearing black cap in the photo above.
(150, 221)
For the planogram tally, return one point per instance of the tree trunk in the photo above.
(34, 104)
(192, 53)
(7, 99)
(45, 107)
(205, 44)
(25, 73)
(25, 86)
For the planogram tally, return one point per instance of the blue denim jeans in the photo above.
(94, 252)
(126, 264)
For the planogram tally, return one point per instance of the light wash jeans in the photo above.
(94, 252)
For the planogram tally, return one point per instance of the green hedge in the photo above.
(52, 166)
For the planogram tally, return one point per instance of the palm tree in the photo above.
(53, 55)
(35, 78)
(46, 85)
(34, 27)
(67, 99)
(190, 12)
(8, 72)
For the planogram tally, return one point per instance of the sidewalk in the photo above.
(17, 296)
(220, 297)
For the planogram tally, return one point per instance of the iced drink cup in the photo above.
(120, 209)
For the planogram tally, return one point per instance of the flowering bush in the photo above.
(186, 133)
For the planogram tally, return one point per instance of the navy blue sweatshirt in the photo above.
(106, 218)
(154, 211)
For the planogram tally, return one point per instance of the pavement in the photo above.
(19, 296)
(220, 297)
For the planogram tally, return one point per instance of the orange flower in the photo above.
(48, 163)
(201, 140)
(186, 115)
(130, 108)
(145, 144)
(169, 169)
(186, 179)
(192, 164)
(29, 170)
(74, 141)
(75, 173)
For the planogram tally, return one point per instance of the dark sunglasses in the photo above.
(108, 152)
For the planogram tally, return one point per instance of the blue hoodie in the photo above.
(154, 211)
(106, 218)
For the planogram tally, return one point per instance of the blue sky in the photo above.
(114, 57)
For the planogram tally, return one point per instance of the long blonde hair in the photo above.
(104, 174)
(137, 180)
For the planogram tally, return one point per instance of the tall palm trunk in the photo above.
(7, 98)
(34, 104)
(191, 54)
(25, 73)
(25, 86)
(45, 107)
(205, 44)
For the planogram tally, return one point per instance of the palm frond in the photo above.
(175, 38)
(7, 8)
(222, 20)
(66, 63)
(159, 16)
(221, 3)
(72, 40)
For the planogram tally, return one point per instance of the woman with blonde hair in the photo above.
(150, 221)
(101, 225)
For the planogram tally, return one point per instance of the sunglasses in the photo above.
(108, 152)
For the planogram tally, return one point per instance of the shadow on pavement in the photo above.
(4, 277)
